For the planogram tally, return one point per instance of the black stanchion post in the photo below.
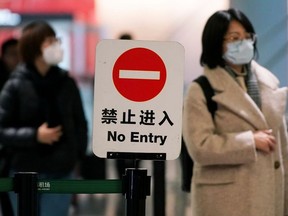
(136, 186)
(25, 185)
(159, 193)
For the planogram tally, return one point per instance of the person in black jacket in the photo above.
(42, 119)
(9, 59)
(8, 62)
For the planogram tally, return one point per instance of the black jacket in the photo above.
(4, 74)
(28, 100)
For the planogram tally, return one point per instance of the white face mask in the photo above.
(239, 52)
(53, 54)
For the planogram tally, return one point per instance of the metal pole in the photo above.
(136, 186)
(159, 193)
(25, 185)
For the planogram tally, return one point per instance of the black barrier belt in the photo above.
(70, 186)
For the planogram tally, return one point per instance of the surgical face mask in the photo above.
(53, 54)
(239, 52)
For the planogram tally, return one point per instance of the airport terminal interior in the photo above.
(81, 25)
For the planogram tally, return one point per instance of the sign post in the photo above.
(136, 186)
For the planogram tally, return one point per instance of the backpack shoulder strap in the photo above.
(208, 93)
(187, 163)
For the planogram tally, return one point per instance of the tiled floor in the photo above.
(177, 202)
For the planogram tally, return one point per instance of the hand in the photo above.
(48, 135)
(264, 140)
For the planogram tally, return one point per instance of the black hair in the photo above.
(33, 35)
(8, 43)
(213, 34)
(125, 36)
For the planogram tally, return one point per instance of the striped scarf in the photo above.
(251, 83)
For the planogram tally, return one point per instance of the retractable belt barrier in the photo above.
(135, 185)
(69, 186)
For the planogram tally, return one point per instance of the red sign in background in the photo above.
(143, 64)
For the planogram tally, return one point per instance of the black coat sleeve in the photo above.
(80, 121)
(11, 133)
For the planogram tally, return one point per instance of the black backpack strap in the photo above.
(187, 163)
(208, 93)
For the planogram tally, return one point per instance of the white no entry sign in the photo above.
(138, 95)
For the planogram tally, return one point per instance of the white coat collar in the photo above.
(230, 95)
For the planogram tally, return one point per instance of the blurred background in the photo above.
(82, 24)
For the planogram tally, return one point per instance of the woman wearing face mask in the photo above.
(240, 154)
(41, 116)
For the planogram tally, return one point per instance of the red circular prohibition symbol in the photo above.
(139, 74)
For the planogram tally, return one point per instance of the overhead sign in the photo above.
(138, 96)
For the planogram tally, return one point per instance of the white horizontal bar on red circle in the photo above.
(139, 74)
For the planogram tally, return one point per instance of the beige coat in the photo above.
(232, 178)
